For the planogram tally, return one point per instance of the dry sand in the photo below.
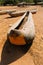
(21, 55)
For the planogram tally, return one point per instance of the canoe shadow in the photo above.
(11, 17)
(11, 53)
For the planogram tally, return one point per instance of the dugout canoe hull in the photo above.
(25, 35)
(20, 13)
(2, 12)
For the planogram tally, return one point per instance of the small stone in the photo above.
(10, 25)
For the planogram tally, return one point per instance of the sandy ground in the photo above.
(21, 55)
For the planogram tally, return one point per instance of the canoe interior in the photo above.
(20, 26)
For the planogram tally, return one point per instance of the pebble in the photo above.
(10, 25)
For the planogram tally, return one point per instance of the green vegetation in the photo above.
(35, 1)
(4, 2)
(30, 1)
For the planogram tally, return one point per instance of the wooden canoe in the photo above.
(21, 35)
(20, 13)
(6, 11)
(17, 13)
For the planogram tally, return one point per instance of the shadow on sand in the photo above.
(12, 52)
(11, 17)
